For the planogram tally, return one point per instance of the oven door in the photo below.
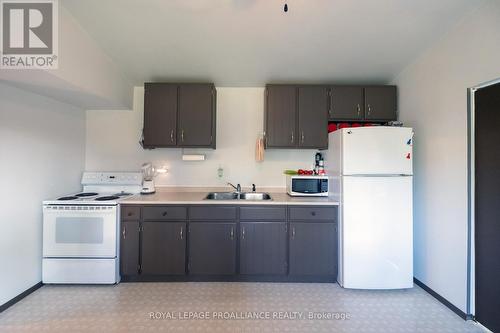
(79, 231)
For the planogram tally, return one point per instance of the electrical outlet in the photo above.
(220, 172)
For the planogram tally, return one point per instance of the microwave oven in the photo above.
(311, 186)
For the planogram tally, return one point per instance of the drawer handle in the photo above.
(164, 214)
(313, 213)
(130, 214)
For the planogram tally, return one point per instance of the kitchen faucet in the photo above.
(237, 187)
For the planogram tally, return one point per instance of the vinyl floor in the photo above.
(229, 307)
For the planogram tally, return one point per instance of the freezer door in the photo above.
(377, 150)
(377, 232)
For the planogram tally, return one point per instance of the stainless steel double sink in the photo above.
(251, 196)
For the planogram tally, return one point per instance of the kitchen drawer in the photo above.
(313, 213)
(212, 213)
(267, 213)
(164, 213)
(131, 213)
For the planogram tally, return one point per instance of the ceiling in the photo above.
(251, 42)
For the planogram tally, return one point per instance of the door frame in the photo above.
(471, 182)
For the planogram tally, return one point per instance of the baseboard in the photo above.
(443, 300)
(228, 278)
(19, 297)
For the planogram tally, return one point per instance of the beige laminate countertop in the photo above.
(197, 198)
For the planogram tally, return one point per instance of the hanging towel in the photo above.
(259, 150)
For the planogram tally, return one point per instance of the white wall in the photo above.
(112, 144)
(41, 156)
(86, 77)
(433, 99)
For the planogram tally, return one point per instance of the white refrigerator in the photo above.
(372, 178)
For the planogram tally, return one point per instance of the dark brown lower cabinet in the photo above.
(163, 248)
(212, 248)
(263, 248)
(228, 242)
(129, 248)
(313, 248)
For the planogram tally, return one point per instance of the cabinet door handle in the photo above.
(359, 110)
(293, 232)
(182, 233)
(172, 135)
(242, 233)
(291, 139)
(165, 213)
(302, 138)
(182, 135)
(124, 232)
(369, 109)
(129, 214)
(231, 234)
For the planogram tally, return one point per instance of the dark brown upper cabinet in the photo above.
(296, 116)
(380, 103)
(196, 115)
(313, 117)
(363, 103)
(160, 115)
(281, 116)
(346, 103)
(179, 115)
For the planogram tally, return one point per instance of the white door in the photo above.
(377, 232)
(79, 231)
(377, 150)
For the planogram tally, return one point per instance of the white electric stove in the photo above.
(80, 231)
